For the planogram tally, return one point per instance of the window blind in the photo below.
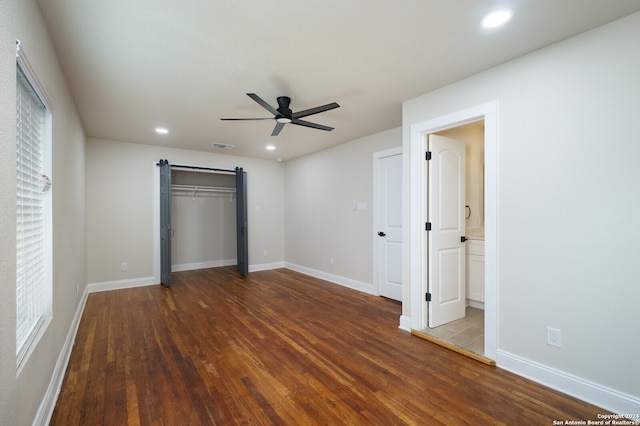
(31, 293)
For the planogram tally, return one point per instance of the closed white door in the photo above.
(445, 217)
(389, 227)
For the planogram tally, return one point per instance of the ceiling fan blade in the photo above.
(243, 119)
(276, 130)
(283, 114)
(309, 124)
(264, 105)
(315, 110)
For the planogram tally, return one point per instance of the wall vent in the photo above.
(221, 146)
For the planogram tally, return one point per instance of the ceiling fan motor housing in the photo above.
(283, 109)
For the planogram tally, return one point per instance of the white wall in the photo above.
(320, 221)
(21, 396)
(121, 202)
(568, 198)
(9, 395)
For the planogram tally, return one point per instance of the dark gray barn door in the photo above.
(165, 222)
(241, 221)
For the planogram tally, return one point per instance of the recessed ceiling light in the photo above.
(497, 18)
(162, 130)
(271, 148)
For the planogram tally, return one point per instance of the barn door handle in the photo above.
(382, 234)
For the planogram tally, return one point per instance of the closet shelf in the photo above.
(201, 188)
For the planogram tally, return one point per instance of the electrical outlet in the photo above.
(124, 266)
(266, 253)
(554, 337)
(332, 261)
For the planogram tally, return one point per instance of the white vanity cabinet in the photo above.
(475, 271)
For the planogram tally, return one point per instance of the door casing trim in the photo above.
(416, 241)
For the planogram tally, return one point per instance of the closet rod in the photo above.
(203, 188)
(173, 166)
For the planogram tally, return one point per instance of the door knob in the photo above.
(463, 239)
(382, 234)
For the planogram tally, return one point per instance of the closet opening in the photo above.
(203, 219)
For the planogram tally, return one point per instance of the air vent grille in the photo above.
(221, 146)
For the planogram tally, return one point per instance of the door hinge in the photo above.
(427, 226)
(427, 155)
(427, 297)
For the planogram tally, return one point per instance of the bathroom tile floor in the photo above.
(467, 332)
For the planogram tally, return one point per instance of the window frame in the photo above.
(31, 335)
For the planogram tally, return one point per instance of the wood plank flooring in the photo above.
(279, 347)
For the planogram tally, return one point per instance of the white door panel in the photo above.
(389, 226)
(445, 212)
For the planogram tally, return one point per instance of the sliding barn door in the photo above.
(241, 222)
(165, 222)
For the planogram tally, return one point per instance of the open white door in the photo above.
(389, 227)
(445, 218)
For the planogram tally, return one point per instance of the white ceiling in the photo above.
(133, 65)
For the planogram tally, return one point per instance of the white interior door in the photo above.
(389, 227)
(445, 213)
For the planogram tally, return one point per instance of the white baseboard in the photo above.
(203, 265)
(144, 281)
(48, 404)
(405, 323)
(593, 393)
(228, 262)
(475, 304)
(120, 284)
(266, 266)
(336, 279)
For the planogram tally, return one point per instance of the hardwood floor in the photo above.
(279, 347)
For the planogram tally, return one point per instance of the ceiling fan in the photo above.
(284, 115)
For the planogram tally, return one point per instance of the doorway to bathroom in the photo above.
(418, 268)
(455, 247)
